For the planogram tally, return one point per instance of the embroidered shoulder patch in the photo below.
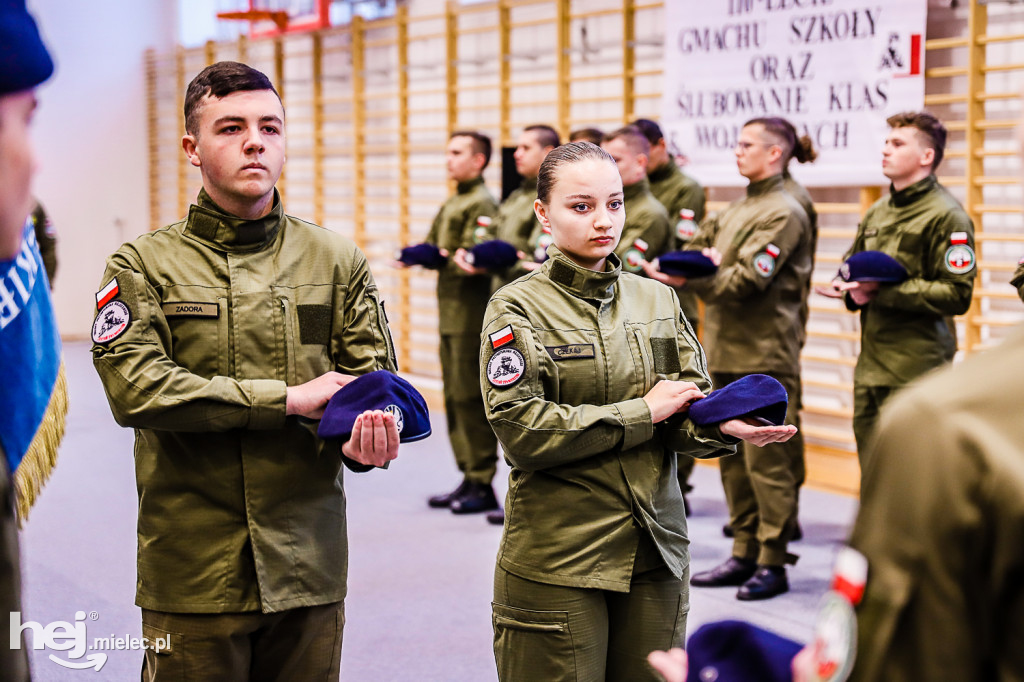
(505, 368)
(107, 293)
(764, 264)
(960, 259)
(111, 322)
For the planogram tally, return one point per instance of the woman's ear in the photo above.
(542, 213)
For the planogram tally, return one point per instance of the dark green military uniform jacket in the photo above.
(677, 192)
(1018, 279)
(757, 301)
(463, 221)
(241, 508)
(905, 330)
(646, 221)
(46, 235)
(517, 224)
(564, 395)
(940, 523)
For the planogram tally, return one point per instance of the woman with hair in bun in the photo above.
(587, 374)
(755, 322)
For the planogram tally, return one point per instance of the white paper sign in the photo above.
(836, 69)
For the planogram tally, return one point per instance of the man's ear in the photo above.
(189, 144)
(928, 157)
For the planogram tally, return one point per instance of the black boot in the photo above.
(768, 582)
(444, 501)
(476, 497)
(727, 531)
(729, 574)
(496, 517)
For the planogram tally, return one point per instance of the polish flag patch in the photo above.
(106, 294)
(483, 221)
(958, 238)
(502, 336)
(772, 250)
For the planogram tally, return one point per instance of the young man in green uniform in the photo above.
(465, 220)
(1017, 281)
(517, 224)
(907, 328)
(755, 323)
(220, 340)
(24, 64)
(683, 198)
(647, 233)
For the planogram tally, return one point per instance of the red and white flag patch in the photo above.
(958, 238)
(483, 221)
(772, 250)
(502, 336)
(106, 294)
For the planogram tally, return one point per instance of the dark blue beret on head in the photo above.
(380, 390)
(734, 651)
(495, 254)
(24, 61)
(686, 264)
(755, 395)
(872, 266)
(427, 255)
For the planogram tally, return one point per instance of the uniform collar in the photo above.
(209, 223)
(529, 184)
(469, 185)
(765, 186)
(636, 189)
(579, 281)
(912, 193)
(664, 171)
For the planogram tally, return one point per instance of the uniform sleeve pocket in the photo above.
(532, 645)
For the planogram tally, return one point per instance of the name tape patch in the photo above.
(189, 309)
(570, 351)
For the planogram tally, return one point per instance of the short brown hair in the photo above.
(546, 135)
(220, 80)
(481, 143)
(929, 126)
(799, 147)
(633, 137)
(593, 135)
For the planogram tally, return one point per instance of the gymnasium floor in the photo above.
(420, 579)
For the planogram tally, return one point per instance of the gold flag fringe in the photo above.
(41, 458)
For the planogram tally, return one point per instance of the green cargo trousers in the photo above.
(297, 644)
(473, 441)
(867, 402)
(762, 486)
(576, 634)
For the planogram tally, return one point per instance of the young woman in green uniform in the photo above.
(587, 374)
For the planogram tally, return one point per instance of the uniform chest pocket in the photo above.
(654, 356)
(199, 331)
(574, 355)
(308, 319)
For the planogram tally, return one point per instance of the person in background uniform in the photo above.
(24, 65)
(517, 224)
(1017, 281)
(46, 237)
(647, 233)
(592, 567)
(906, 328)
(465, 220)
(220, 340)
(755, 323)
(592, 135)
(683, 198)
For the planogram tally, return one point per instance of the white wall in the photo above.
(90, 136)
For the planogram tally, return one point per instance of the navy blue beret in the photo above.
(755, 395)
(872, 266)
(379, 390)
(686, 264)
(24, 61)
(493, 255)
(427, 255)
(734, 651)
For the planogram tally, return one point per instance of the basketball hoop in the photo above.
(280, 18)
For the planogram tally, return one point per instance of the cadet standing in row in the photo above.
(516, 223)
(907, 328)
(647, 233)
(220, 339)
(683, 198)
(587, 373)
(755, 323)
(463, 221)
(1017, 281)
